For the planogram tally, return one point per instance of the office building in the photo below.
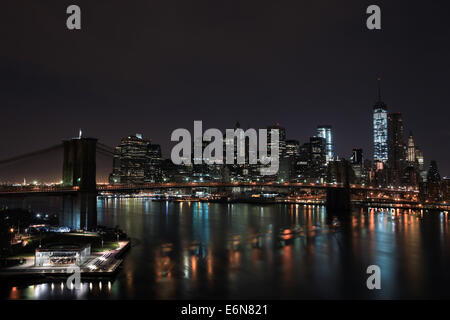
(324, 131)
(136, 161)
(356, 162)
(289, 163)
(433, 173)
(396, 145)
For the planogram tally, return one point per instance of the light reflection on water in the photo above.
(188, 250)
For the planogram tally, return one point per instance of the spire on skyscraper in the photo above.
(379, 103)
(379, 88)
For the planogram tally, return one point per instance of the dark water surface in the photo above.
(195, 250)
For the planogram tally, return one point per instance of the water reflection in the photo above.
(206, 250)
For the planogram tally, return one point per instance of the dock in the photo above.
(99, 265)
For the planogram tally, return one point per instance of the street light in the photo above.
(12, 234)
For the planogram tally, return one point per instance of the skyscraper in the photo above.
(281, 175)
(136, 160)
(281, 138)
(324, 131)
(433, 173)
(312, 160)
(292, 156)
(380, 130)
(396, 148)
(411, 150)
(153, 168)
(421, 164)
(356, 162)
(357, 156)
(396, 145)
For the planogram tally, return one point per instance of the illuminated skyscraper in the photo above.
(411, 151)
(421, 164)
(136, 160)
(380, 129)
(325, 132)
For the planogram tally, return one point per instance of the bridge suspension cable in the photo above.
(30, 154)
(105, 151)
(104, 147)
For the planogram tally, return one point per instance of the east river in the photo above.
(190, 250)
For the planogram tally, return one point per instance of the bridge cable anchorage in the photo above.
(31, 154)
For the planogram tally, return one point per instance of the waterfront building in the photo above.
(62, 255)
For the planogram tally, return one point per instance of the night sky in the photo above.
(154, 66)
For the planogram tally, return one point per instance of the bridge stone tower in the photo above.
(339, 198)
(79, 167)
(79, 170)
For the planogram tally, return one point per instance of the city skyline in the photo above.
(218, 155)
(296, 70)
(103, 169)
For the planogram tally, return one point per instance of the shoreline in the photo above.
(358, 203)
